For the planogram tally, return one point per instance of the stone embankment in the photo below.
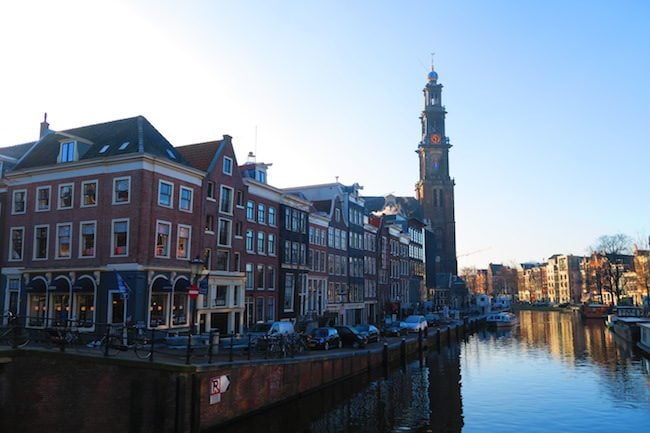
(42, 389)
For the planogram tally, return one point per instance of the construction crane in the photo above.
(473, 252)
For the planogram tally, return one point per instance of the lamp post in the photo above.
(196, 265)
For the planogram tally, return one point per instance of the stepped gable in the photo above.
(103, 140)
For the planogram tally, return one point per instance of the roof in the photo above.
(200, 155)
(103, 140)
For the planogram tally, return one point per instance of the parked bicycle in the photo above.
(13, 334)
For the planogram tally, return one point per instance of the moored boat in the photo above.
(622, 311)
(644, 338)
(628, 328)
(594, 311)
(503, 319)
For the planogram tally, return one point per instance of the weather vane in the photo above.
(432, 54)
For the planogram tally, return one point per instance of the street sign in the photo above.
(218, 385)
(203, 287)
(194, 292)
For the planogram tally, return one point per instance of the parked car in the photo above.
(394, 329)
(323, 338)
(432, 318)
(416, 323)
(351, 337)
(267, 329)
(370, 331)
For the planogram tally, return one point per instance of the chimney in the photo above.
(251, 158)
(45, 127)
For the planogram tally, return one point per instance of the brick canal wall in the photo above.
(51, 391)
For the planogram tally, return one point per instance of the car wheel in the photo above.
(327, 345)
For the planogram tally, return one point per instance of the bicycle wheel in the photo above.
(142, 349)
(111, 346)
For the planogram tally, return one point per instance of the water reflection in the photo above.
(553, 372)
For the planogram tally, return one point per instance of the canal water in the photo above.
(552, 373)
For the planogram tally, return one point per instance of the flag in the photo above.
(122, 287)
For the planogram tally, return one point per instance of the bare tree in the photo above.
(613, 244)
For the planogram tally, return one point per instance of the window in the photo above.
(163, 230)
(270, 309)
(42, 198)
(183, 242)
(260, 242)
(185, 199)
(271, 278)
(120, 239)
(65, 196)
(337, 215)
(89, 193)
(16, 246)
(227, 165)
(158, 310)
(209, 223)
(225, 227)
(121, 190)
(249, 240)
(272, 216)
(271, 244)
(18, 203)
(63, 241)
(250, 211)
(117, 307)
(259, 309)
(260, 276)
(67, 151)
(238, 229)
(288, 292)
(165, 192)
(261, 213)
(37, 309)
(41, 234)
(222, 258)
(88, 232)
(249, 276)
(220, 296)
(225, 202)
(237, 264)
(211, 190)
(240, 198)
(260, 176)
(179, 309)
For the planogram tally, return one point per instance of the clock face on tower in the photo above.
(435, 138)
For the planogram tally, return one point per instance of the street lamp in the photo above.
(196, 266)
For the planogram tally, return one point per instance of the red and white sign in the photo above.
(194, 291)
(218, 385)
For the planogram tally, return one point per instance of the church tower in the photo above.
(435, 188)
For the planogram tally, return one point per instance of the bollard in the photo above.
(402, 351)
(107, 339)
(188, 350)
(232, 342)
(210, 347)
(448, 335)
(438, 339)
(420, 342)
(249, 347)
(384, 358)
(151, 341)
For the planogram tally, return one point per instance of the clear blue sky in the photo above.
(547, 101)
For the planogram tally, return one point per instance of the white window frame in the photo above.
(67, 151)
(47, 243)
(231, 201)
(271, 211)
(83, 190)
(188, 247)
(180, 199)
(22, 246)
(13, 202)
(115, 182)
(128, 238)
(169, 205)
(169, 238)
(59, 196)
(49, 198)
(225, 171)
(219, 220)
(81, 237)
(58, 240)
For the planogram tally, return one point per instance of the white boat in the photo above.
(644, 341)
(622, 311)
(503, 319)
(629, 327)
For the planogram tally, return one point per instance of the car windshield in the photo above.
(262, 327)
(319, 333)
(361, 328)
(412, 319)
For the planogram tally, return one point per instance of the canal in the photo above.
(552, 373)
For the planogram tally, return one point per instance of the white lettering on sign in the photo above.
(218, 385)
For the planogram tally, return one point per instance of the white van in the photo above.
(270, 328)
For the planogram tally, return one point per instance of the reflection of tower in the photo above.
(435, 188)
(446, 413)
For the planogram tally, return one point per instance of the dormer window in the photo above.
(67, 151)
